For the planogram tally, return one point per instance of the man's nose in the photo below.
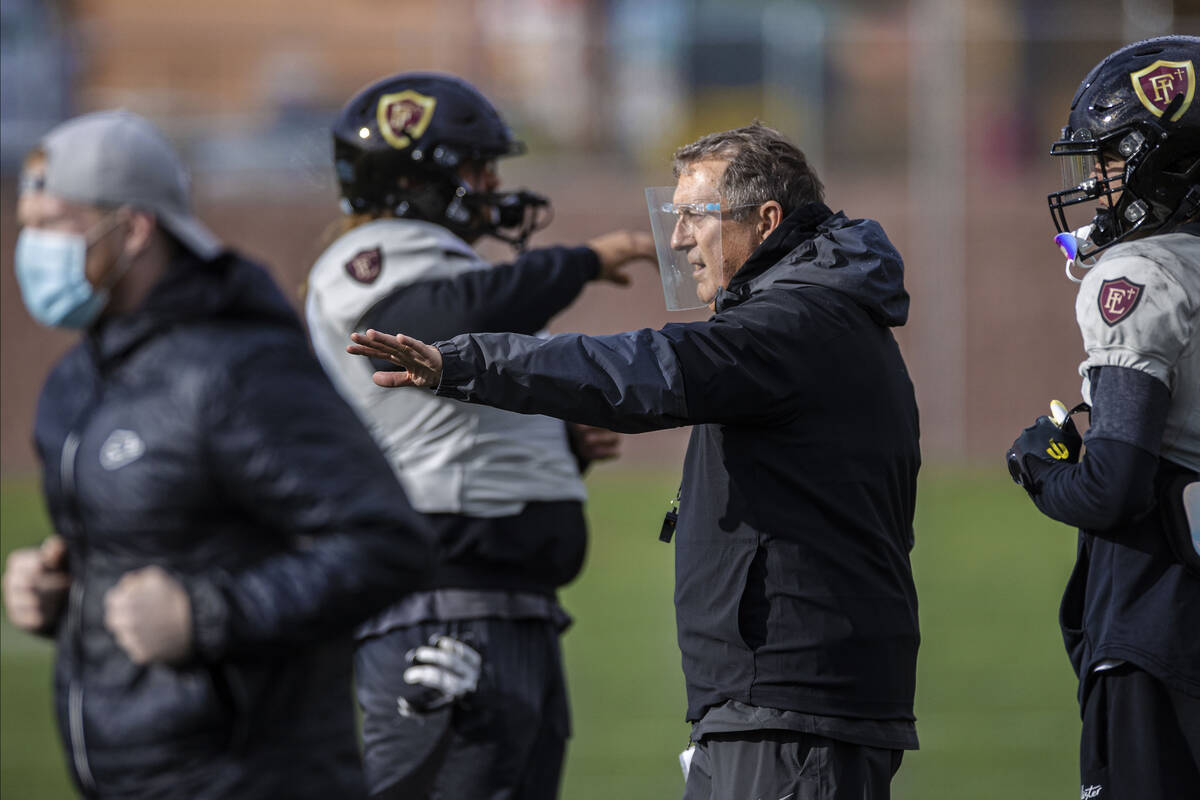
(681, 236)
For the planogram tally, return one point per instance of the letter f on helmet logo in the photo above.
(1058, 451)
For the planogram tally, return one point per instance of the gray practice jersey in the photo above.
(450, 456)
(1139, 308)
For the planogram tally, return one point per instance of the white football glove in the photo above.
(446, 670)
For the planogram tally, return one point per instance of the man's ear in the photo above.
(770, 214)
(142, 226)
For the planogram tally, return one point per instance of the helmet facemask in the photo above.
(435, 192)
(1145, 176)
(1103, 172)
(511, 217)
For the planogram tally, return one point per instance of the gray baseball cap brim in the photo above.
(119, 158)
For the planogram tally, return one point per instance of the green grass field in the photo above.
(995, 699)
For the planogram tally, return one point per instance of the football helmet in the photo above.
(1131, 146)
(398, 148)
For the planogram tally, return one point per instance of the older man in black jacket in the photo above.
(796, 610)
(223, 518)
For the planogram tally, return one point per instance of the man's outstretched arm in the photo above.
(730, 369)
(614, 382)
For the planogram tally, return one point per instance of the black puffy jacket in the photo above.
(793, 587)
(199, 434)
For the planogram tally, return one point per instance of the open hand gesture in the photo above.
(423, 362)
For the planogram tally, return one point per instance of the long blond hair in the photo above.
(348, 222)
(338, 228)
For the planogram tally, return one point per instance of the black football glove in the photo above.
(1053, 441)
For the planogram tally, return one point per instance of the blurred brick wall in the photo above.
(233, 56)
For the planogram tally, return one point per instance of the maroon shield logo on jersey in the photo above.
(366, 265)
(1118, 298)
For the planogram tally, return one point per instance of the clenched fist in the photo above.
(150, 615)
(590, 443)
(36, 583)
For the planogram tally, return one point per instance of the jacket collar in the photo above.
(112, 336)
(797, 227)
(227, 287)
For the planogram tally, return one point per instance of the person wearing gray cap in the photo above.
(223, 520)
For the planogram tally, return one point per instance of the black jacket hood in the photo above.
(816, 246)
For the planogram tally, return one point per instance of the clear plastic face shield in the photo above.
(687, 238)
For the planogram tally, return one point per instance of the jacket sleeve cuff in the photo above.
(457, 374)
(591, 261)
(1038, 469)
(210, 618)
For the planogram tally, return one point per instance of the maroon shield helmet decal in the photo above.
(366, 265)
(1158, 85)
(404, 116)
(1118, 298)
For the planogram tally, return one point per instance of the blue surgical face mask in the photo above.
(54, 286)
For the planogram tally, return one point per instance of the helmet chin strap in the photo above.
(1188, 208)
(1071, 275)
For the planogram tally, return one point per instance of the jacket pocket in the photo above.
(1071, 612)
(710, 581)
(754, 608)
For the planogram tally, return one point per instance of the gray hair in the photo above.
(763, 165)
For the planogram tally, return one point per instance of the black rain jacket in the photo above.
(199, 434)
(793, 583)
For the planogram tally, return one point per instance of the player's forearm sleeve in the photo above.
(520, 297)
(1114, 482)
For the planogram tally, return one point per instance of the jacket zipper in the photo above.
(74, 622)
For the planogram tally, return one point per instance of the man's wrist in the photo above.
(210, 617)
(591, 264)
(454, 371)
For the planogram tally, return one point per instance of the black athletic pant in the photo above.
(504, 742)
(1141, 739)
(773, 765)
